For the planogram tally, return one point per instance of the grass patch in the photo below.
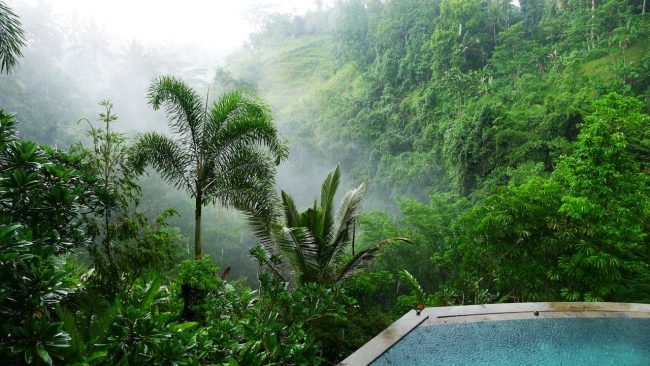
(603, 67)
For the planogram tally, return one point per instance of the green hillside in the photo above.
(290, 75)
(465, 125)
(348, 165)
(396, 109)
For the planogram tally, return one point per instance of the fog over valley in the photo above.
(276, 182)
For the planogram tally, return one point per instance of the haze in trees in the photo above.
(486, 151)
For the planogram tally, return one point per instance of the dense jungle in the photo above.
(284, 202)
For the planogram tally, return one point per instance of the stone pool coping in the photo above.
(491, 312)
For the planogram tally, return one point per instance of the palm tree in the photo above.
(225, 152)
(91, 48)
(312, 245)
(12, 38)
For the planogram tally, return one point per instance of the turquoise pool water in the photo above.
(545, 341)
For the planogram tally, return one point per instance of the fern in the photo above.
(70, 326)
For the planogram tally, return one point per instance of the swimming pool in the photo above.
(515, 334)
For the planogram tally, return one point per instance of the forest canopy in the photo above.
(346, 165)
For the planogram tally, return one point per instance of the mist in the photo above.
(79, 53)
(500, 148)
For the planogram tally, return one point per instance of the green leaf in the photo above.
(44, 355)
(96, 356)
(181, 327)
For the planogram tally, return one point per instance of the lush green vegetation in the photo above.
(11, 38)
(215, 158)
(504, 151)
(487, 132)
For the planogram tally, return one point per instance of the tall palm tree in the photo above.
(12, 38)
(224, 152)
(313, 245)
(91, 48)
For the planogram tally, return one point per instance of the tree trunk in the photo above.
(643, 11)
(107, 241)
(593, 20)
(197, 226)
(507, 14)
(189, 298)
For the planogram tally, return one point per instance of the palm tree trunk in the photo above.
(197, 227)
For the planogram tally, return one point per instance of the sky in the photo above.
(218, 26)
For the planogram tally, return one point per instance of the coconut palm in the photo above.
(313, 245)
(12, 38)
(225, 152)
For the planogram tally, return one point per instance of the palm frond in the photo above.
(12, 38)
(184, 106)
(328, 192)
(339, 236)
(358, 262)
(257, 198)
(258, 202)
(278, 270)
(166, 156)
(245, 180)
(298, 246)
(262, 228)
(362, 259)
(413, 282)
(315, 255)
(348, 210)
(221, 109)
(240, 167)
(291, 214)
(240, 119)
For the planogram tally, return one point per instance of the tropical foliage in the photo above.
(508, 146)
(12, 39)
(312, 246)
(216, 157)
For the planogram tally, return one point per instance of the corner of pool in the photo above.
(514, 334)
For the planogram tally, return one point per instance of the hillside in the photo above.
(398, 109)
(347, 166)
(447, 106)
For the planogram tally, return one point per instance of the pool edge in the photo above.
(381, 343)
(377, 346)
